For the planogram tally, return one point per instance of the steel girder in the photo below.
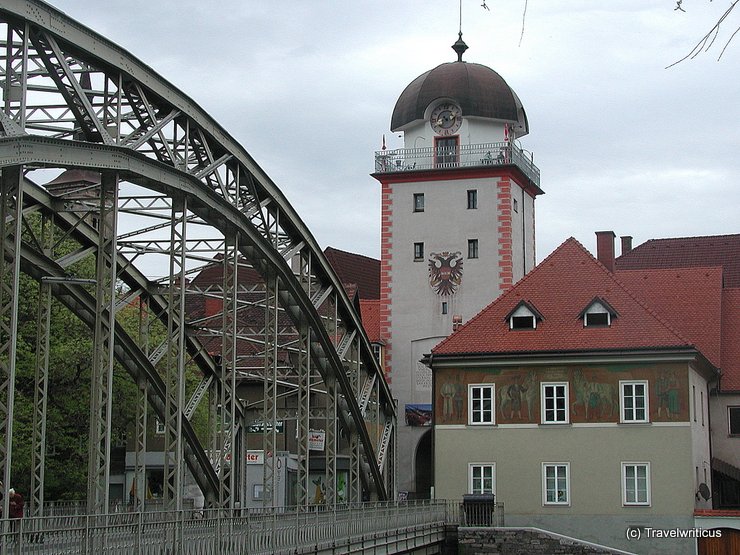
(61, 81)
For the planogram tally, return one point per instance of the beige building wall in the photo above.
(594, 454)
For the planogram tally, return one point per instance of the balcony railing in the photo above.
(461, 156)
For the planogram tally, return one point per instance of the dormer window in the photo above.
(523, 317)
(598, 314)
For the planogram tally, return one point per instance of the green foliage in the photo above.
(68, 397)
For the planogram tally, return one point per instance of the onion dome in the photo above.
(477, 89)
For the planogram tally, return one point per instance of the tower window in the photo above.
(444, 307)
(516, 205)
(472, 248)
(418, 251)
(472, 199)
(418, 202)
(446, 150)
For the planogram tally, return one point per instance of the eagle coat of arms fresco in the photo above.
(445, 272)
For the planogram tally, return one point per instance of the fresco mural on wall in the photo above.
(453, 398)
(511, 397)
(667, 392)
(600, 398)
(593, 392)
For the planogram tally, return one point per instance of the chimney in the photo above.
(605, 248)
(626, 244)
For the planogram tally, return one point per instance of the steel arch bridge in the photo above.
(183, 225)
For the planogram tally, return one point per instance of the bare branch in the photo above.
(524, 15)
(706, 42)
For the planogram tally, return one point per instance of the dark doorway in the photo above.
(423, 466)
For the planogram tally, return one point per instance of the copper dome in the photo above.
(480, 92)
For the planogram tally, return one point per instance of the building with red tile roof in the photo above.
(585, 393)
(361, 270)
(688, 252)
(695, 282)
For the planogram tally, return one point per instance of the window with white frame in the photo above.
(480, 404)
(634, 401)
(482, 478)
(556, 483)
(635, 483)
(554, 403)
(159, 428)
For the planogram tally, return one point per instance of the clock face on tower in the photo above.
(446, 118)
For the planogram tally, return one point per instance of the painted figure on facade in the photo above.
(445, 272)
(511, 396)
(597, 396)
(448, 397)
(459, 397)
(666, 390)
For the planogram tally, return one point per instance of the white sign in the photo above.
(316, 440)
(255, 457)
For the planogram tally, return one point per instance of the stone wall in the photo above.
(522, 541)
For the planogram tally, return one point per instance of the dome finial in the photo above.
(460, 47)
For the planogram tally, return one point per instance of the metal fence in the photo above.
(481, 510)
(460, 156)
(70, 508)
(396, 526)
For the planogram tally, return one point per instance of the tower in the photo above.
(457, 229)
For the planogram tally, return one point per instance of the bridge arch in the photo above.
(175, 187)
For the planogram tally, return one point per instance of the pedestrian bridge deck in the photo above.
(381, 528)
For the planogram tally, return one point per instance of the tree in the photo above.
(68, 398)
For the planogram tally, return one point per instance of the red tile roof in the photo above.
(685, 252)
(689, 298)
(560, 287)
(370, 310)
(358, 269)
(730, 367)
(707, 322)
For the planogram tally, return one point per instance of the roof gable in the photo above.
(560, 286)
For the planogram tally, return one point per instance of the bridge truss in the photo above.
(184, 227)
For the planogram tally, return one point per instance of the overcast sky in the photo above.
(308, 89)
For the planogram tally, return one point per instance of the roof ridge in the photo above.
(334, 249)
(688, 237)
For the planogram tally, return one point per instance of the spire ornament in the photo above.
(459, 47)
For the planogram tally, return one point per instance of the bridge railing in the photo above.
(275, 530)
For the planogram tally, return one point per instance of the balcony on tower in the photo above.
(448, 156)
